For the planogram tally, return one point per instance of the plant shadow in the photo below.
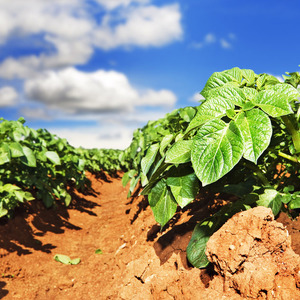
(32, 220)
(178, 232)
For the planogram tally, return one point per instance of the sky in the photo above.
(93, 71)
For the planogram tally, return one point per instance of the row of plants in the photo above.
(243, 139)
(35, 164)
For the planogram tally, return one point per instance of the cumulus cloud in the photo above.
(78, 92)
(8, 96)
(74, 32)
(142, 26)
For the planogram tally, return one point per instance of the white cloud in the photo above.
(74, 32)
(211, 38)
(112, 4)
(142, 26)
(78, 92)
(8, 96)
(96, 137)
(225, 44)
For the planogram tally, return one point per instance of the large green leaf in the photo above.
(184, 185)
(218, 79)
(230, 93)
(211, 109)
(162, 202)
(148, 160)
(217, 148)
(275, 101)
(256, 129)
(180, 152)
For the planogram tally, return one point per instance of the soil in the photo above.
(137, 260)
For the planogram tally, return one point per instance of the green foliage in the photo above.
(38, 164)
(242, 139)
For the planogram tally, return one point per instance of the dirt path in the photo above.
(137, 261)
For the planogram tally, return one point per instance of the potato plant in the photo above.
(243, 139)
(35, 164)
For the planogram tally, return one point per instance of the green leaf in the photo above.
(165, 142)
(184, 185)
(261, 80)
(241, 189)
(53, 157)
(187, 114)
(67, 199)
(3, 211)
(16, 149)
(180, 152)
(218, 79)
(75, 261)
(270, 198)
(148, 160)
(127, 176)
(64, 259)
(4, 154)
(217, 148)
(98, 251)
(196, 248)
(275, 100)
(29, 158)
(202, 232)
(249, 76)
(250, 93)
(162, 203)
(295, 202)
(47, 199)
(230, 93)
(209, 110)
(256, 129)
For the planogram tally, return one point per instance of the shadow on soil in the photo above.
(177, 233)
(32, 220)
(3, 292)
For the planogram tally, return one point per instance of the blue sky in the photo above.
(92, 71)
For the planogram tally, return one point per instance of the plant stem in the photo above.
(288, 121)
(258, 172)
(289, 157)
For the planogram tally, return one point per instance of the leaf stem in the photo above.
(289, 157)
(288, 121)
(258, 172)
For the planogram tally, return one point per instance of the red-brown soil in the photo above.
(137, 261)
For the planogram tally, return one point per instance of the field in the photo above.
(137, 261)
(203, 204)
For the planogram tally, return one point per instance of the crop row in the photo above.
(35, 164)
(243, 139)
